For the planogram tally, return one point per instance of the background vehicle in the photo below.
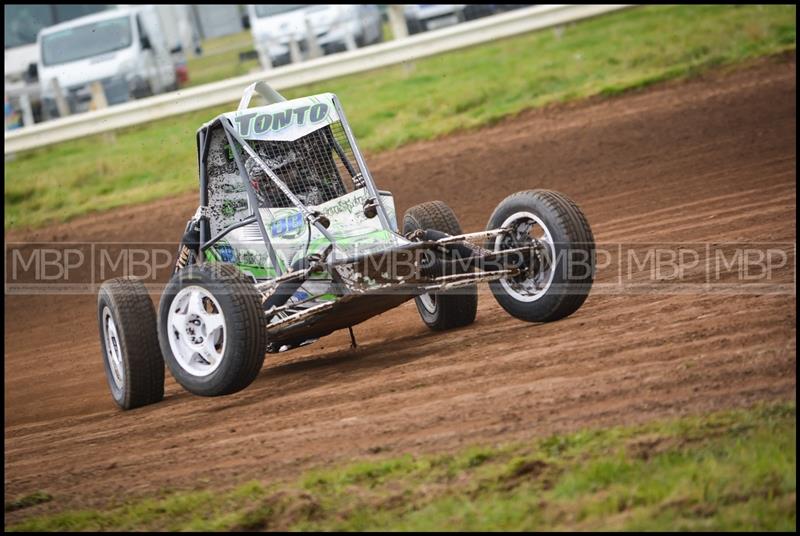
(124, 49)
(22, 24)
(424, 17)
(274, 25)
(476, 11)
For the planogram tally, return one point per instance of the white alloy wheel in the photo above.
(196, 329)
(428, 301)
(527, 227)
(113, 350)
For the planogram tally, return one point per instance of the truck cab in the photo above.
(123, 49)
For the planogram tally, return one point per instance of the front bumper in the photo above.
(117, 90)
(330, 41)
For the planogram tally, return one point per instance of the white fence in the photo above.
(316, 70)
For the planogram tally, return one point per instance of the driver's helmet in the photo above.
(270, 195)
(266, 191)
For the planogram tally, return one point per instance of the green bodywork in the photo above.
(352, 231)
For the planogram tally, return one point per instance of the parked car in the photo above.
(124, 49)
(424, 17)
(274, 25)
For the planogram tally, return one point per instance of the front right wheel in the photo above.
(212, 329)
(557, 278)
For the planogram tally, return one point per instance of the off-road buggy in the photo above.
(293, 240)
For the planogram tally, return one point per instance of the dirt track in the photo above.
(712, 160)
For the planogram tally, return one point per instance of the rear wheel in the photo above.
(441, 310)
(558, 278)
(142, 90)
(212, 329)
(129, 342)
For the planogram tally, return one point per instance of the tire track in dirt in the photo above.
(712, 160)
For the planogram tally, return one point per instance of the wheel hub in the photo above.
(536, 274)
(195, 330)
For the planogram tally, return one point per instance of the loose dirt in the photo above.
(711, 162)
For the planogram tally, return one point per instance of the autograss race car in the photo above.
(293, 241)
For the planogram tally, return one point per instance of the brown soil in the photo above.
(711, 160)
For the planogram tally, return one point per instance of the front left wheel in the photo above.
(129, 342)
(557, 279)
(211, 327)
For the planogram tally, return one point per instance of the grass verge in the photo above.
(733, 470)
(220, 59)
(418, 101)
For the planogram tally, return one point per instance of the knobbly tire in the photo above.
(565, 275)
(441, 310)
(211, 327)
(129, 342)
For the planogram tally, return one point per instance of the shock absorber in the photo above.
(189, 243)
(183, 257)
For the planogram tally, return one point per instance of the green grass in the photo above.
(33, 499)
(386, 30)
(220, 59)
(419, 101)
(733, 470)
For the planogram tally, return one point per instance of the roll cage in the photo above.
(350, 287)
(358, 171)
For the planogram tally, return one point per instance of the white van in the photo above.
(124, 49)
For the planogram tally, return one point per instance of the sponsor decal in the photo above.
(349, 204)
(262, 122)
(226, 252)
(231, 206)
(288, 227)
